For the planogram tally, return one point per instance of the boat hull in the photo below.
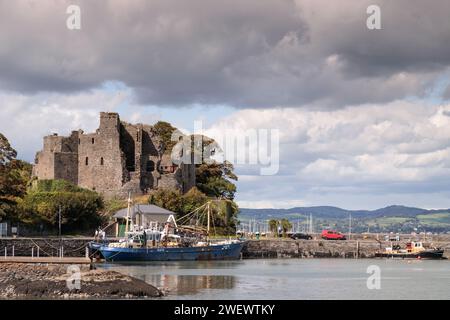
(212, 252)
(427, 254)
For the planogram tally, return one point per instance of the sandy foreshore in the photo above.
(47, 281)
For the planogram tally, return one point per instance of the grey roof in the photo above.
(145, 209)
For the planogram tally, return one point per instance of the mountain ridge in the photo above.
(337, 212)
(391, 218)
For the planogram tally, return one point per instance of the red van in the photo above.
(332, 235)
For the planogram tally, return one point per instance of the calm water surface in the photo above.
(294, 278)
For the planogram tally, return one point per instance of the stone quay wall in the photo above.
(284, 248)
(253, 249)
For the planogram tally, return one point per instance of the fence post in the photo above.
(6, 252)
(13, 251)
(87, 252)
(38, 251)
(32, 252)
(62, 252)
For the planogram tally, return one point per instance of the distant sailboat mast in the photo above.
(349, 225)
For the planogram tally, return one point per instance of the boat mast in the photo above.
(209, 218)
(128, 212)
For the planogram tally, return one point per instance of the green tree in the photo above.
(7, 153)
(164, 131)
(193, 199)
(80, 208)
(286, 225)
(169, 199)
(14, 177)
(273, 226)
(214, 179)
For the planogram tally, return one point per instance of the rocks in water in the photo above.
(20, 280)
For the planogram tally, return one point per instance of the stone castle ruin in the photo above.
(118, 158)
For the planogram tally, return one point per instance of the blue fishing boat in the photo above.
(169, 241)
(207, 252)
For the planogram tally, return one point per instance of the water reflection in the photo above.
(191, 284)
(181, 278)
(293, 279)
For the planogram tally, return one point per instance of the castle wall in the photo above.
(100, 158)
(66, 166)
(44, 167)
(117, 158)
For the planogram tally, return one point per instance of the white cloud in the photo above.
(26, 119)
(257, 53)
(397, 148)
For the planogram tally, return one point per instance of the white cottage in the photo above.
(144, 216)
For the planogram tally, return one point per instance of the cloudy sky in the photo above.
(363, 115)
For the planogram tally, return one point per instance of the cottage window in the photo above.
(93, 140)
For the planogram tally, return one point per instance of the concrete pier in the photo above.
(286, 248)
(51, 260)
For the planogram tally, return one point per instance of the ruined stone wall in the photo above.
(58, 159)
(66, 166)
(100, 158)
(117, 158)
(149, 158)
(188, 177)
(170, 181)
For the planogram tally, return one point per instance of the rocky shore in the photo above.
(46, 281)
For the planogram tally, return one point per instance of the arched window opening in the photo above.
(87, 161)
(150, 166)
(102, 162)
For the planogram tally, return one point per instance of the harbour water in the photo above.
(294, 278)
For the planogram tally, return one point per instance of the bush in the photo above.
(79, 207)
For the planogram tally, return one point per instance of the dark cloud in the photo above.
(253, 53)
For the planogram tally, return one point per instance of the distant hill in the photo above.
(392, 218)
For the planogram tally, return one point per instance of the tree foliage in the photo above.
(7, 153)
(14, 177)
(80, 208)
(273, 225)
(286, 225)
(164, 131)
(214, 180)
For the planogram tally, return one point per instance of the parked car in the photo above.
(332, 235)
(298, 235)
